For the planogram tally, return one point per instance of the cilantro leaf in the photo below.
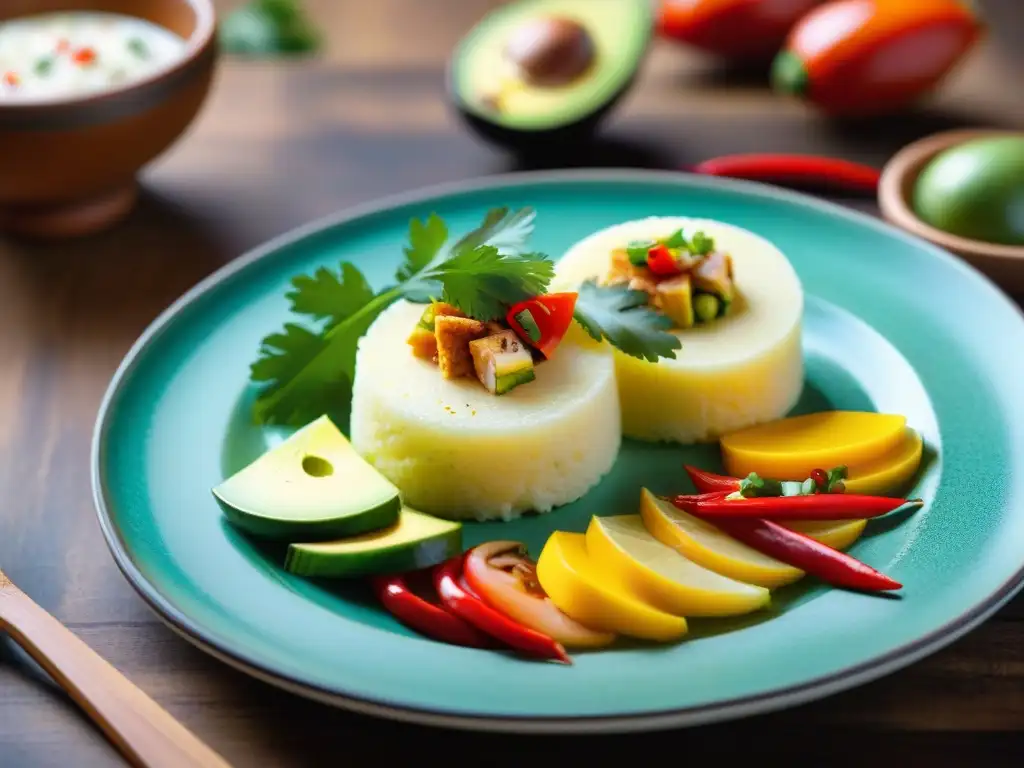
(508, 232)
(324, 296)
(483, 283)
(621, 316)
(269, 28)
(425, 241)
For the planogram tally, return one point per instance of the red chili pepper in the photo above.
(447, 576)
(84, 56)
(543, 320)
(661, 261)
(709, 482)
(794, 169)
(803, 552)
(839, 506)
(430, 620)
(820, 478)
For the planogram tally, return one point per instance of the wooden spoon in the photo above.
(146, 734)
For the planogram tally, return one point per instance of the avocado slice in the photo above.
(313, 486)
(533, 73)
(502, 362)
(415, 541)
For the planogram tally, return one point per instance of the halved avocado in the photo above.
(415, 541)
(313, 486)
(537, 72)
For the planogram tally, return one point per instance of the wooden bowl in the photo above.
(1004, 264)
(68, 166)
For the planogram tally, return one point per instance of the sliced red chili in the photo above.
(542, 321)
(841, 506)
(447, 577)
(794, 169)
(419, 614)
(803, 552)
(662, 262)
(709, 482)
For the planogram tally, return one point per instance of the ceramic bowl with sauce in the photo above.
(958, 174)
(90, 92)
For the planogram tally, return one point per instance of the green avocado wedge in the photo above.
(536, 72)
(416, 541)
(311, 487)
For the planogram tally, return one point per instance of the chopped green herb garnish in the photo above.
(44, 66)
(529, 325)
(676, 240)
(754, 485)
(622, 317)
(637, 251)
(701, 244)
(138, 46)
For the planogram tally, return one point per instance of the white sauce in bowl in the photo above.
(62, 55)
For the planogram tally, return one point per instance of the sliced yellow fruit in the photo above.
(838, 534)
(580, 590)
(791, 448)
(890, 472)
(709, 547)
(622, 547)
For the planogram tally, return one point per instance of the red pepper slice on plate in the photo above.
(662, 262)
(84, 56)
(506, 578)
(803, 552)
(825, 506)
(447, 576)
(419, 614)
(543, 320)
(709, 482)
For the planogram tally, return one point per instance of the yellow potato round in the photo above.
(740, 370)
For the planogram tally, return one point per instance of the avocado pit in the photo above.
(551, 51)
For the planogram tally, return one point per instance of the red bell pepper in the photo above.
(419, 614)
(662, 262)
(826, 506)
(447, 578)
(803, 552)
(542, 321)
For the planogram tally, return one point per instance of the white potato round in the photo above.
(457, 451)
(734, 372)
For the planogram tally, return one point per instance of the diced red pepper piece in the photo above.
(84, 56)
(63, 45)
(11, 79)
(419, 614)
(447, 578)
(543, 321)
(662, 262)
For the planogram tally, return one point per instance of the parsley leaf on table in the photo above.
(268, 28)
(309, 372)
(621, 316)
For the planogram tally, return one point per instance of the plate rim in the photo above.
(701, 714)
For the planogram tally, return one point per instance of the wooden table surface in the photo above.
(282, 143)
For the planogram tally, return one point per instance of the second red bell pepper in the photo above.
(543, 321)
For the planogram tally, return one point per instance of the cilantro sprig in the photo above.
(308, 371)
(621, 316)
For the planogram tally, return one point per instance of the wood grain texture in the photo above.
(140, 729)
(280, 144)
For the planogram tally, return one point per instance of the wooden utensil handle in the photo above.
(146, 734)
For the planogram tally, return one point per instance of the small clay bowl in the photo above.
(1004, 264)
(68, 166)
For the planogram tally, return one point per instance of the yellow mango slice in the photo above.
(890, 472)
(581, 591)
(791, 448)
(838, 534)
(708, 546)
(623, 548)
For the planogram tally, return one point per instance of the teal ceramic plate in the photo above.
(892, 324)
